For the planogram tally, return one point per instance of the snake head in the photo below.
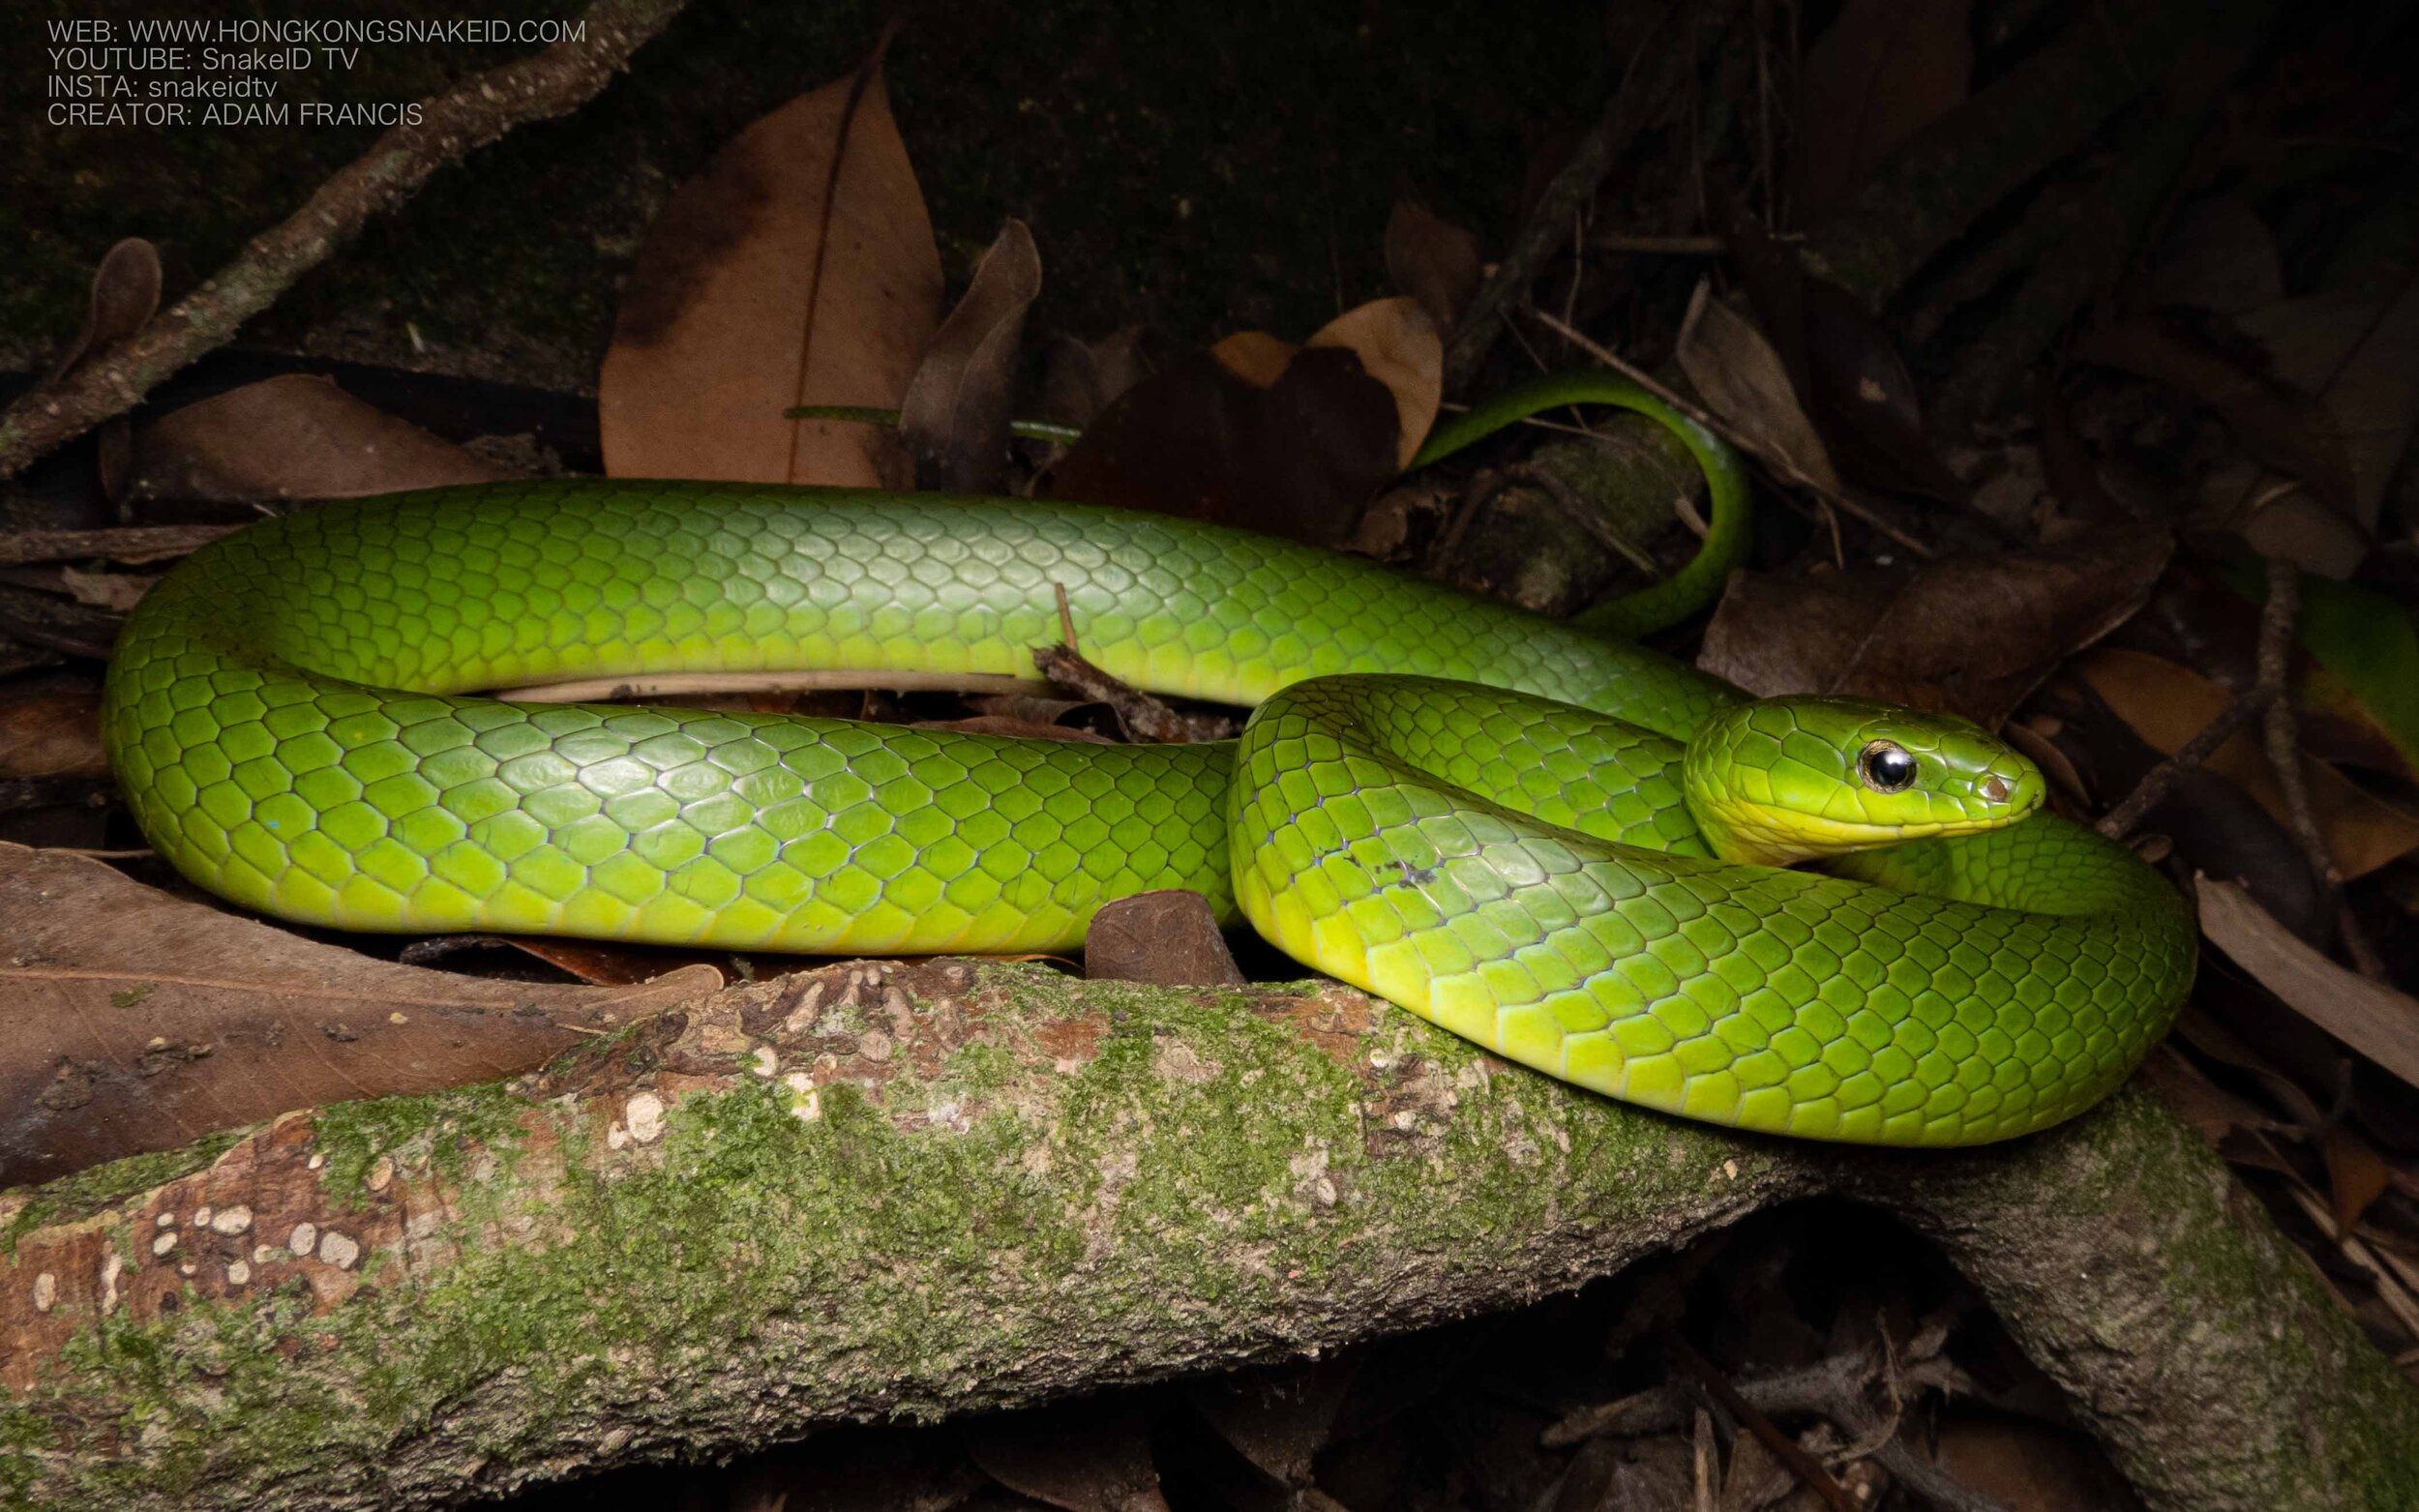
(1783, 780)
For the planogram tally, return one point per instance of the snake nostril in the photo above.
(1995, 789)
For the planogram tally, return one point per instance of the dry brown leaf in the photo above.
(1298, 458)
(1397, 345)
(137, 1021)
(1280, 1418)
(1433, 260)
(1970, 634)
(1882, 72)
(1256, 357)
(2027, 1464)
(1083, 378)
(2167, 704)
(2370, 1017)
(298, 436)
(2362, 358)
(1741, 378)
(955, 416)
(741, 308)
(2279, 425)
(50, 727)
(2357, 1175)
(117, 592)
(2212, 1111)
(1089, 1456)
(125, 294)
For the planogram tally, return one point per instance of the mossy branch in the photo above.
(877, 1191)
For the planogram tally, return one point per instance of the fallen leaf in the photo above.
(954, 418)
(2372, 1018)
(1169, 936)
(137, 1021)
(117, 592)
(1398, 345)
(2212, 1111)
(2282, 426)
(1433, 260)
(2014, 1463)
(56, 622)
(2357, 1175)
(298, 436)
(1082, 379)
(50, 727)
(2065, 463)
(1970, 634)
(1256, 357)
(2167, 704)
(1298, 458)
(598, 963)
(133, 545)
(2362, 358)
(125, 295)
(1880, 73)
(1739, 375)
(1091, 1456)
(1843, 363)
(797, 269)
(1279, 1418)
(2214, 1040)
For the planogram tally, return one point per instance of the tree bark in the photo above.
(882, 1190)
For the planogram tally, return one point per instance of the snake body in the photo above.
(291, 712)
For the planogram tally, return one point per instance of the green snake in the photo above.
(1557, 844)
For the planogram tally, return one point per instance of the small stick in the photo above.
(1785, 1448)
(2276, 634)
(448, 128)
(135, 544)
(1144, 717)
(1066, 620)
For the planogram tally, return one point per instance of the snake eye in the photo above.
(1885, 767)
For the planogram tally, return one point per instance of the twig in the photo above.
(1785, 1448)
(2276, 637)
(1832, 1389)
(1143, 717)
(453, 125)
(1633, 102)
(2281, 729)
(1066, 619)
(1786, 470)
(133, 545)
(2281, 732)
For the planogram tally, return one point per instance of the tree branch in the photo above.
(879, 1190)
